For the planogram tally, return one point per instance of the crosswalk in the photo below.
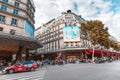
(35, 75)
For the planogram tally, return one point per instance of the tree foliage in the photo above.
(115, 45)
(95, 31)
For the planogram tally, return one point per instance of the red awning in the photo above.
(90, 51)
(100, 52)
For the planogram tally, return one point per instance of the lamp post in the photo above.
(93, 54)
(42, 56)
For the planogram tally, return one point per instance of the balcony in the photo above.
(9, 11)
(67, 47)
(12, 4)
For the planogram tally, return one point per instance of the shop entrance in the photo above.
(72, 57)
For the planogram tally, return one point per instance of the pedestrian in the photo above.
(41, 64)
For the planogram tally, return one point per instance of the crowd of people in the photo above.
(47, 61)
(73, 61)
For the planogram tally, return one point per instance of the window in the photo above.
(71, 43)
(76, 43)
(14, 22)
(6, 1)
(16, 4)
(15, 12)
(3, 8)
(1, 28)
(66, 43)
(2, 18)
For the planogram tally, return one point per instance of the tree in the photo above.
(96, 33)
(115, 45)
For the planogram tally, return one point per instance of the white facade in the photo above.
(14, 17)
(52, 36)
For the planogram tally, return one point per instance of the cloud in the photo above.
(107, 11)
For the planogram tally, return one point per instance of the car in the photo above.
(20, 67)
(100, 61)
(31, 66)
(109, 60)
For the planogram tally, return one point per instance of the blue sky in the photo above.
(108, 11)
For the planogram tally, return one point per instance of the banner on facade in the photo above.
(71, 33)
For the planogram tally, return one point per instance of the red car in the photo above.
(20, 67)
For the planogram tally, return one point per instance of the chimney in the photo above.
(68, 11)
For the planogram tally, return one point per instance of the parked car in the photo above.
(100, 61)
(20, 67)
(109, 60)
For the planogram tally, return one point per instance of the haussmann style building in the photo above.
(61, 38)
(17, 29)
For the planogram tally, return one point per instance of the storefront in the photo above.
(16, 44)
(82, 54)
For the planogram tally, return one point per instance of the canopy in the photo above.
(10, 42)
(100, 52)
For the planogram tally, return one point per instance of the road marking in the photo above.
(37, 75)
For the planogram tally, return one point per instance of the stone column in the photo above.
(27, 54)
(19, 54)
(63, 56)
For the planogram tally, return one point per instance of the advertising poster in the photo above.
(71, 33)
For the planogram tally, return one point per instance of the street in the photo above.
(107, 71)
(35, 75)
(82, 71)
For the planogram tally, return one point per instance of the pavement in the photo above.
(87, 71)
(34, 75)
(82, 71)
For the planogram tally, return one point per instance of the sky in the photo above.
(108, 11)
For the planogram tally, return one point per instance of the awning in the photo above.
(10, 42)
(100, 52)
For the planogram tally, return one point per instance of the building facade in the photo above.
(17, 17)
(16, 27)
(62, 36)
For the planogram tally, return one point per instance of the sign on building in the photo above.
(71, 33)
